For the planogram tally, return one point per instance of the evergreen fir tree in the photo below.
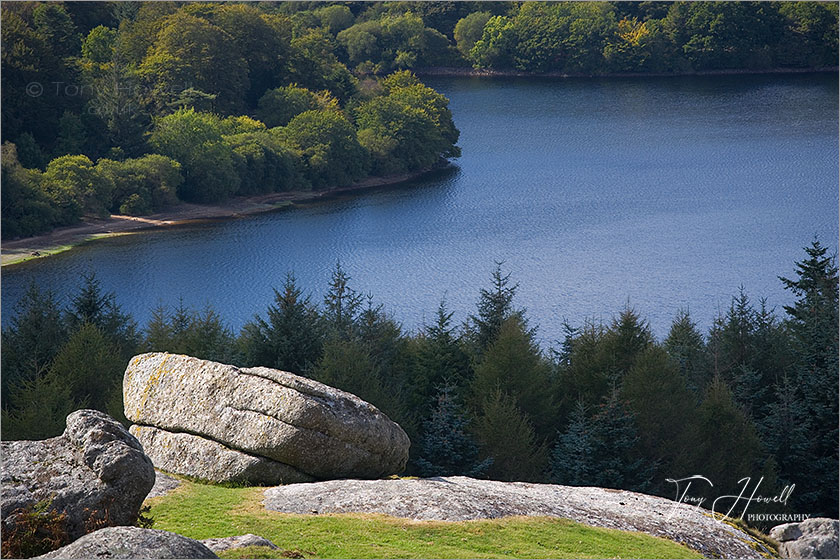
(685, 345)
(506, 436)
(291, 339)
(572, 458)
(447, 448)
(91, 305)
(495, 306)
(31, 341)
(514, 365)
(341, 305)
(41, 408)
(813, 324)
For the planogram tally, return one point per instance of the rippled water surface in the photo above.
(664, 193)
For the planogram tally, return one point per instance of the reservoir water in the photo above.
(658, 193)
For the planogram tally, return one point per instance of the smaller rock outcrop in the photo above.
(260, 425)
(95, 474)
(164, 484)
(813, 538)
(239, 541)
(132, 542)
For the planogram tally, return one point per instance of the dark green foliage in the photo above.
(26, 208)
(813, 324)
(92, 306)
(33, 338)
(447, 448)
(514, 365)
(290, 339)
(143, 185)
(685, 345)
(187, 331)
(495, 306)
(507, 438)
(342, 305)
(601, 449)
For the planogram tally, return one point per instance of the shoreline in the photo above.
(466, 72)
(64, 238)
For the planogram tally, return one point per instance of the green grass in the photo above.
(201, 511)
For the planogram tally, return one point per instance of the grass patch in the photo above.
(202, 511)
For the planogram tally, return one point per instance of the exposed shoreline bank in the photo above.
(65, 238)
(490, 73)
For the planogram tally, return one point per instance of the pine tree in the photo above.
(506, 436)
(41, 408)
(663, 408)
(447, 448)
(495, 306)
(685, 345)
(33, 338)
(91, 366)
(341, 305)
(93, 306)
(572, 458)
(813, 324)
(514, 365)
(291, 339)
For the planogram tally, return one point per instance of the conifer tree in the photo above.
(572, 458)
(43, 404)
(91, 305)
(447, 448)
(813, 323)
(33, 338)
(506, 436)
(341, 305)
(290, 339)
(685, 345)
(495, 306)
(514, 365)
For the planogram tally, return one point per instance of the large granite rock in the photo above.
(813, 538)
(96, 473)
(315, 429)
(459, 498)
(209, 460)
(132, 542)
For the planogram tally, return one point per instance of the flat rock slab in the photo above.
(319, 430)
(95, 472)
(132, 542)
(239, 541)
(209, 460)
(164, 484)
(461, 498)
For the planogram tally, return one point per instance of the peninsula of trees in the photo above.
(129, 107)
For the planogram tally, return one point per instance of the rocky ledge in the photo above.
(460, 498)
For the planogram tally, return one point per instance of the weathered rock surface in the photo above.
(206, 459)
(132, 542)
(460, 498)
(239, 541)
(316, 429)
(96, 472)
(813, 538)
(164, 484)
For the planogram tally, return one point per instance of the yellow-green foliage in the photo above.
(202, 511)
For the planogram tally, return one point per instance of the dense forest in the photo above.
(129, 107)
(756, 396)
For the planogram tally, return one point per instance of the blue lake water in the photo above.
(660, 193)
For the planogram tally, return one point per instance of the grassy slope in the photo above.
(201, 511)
